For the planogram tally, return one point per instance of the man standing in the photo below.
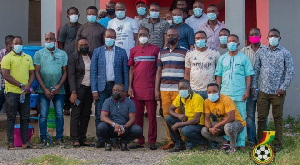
(51, 73)
(142, 62)
(200, 65)
(18, 71)
(274, 68)
(108, 67)
(199, 18)
(223, 35)
(110, 9)
(182, 4)
(212, 27)
(126, 29)
(168, 76)
(141, 9)
(234, 71)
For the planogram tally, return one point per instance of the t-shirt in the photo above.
(118, 111)
(222, 50)
(125, 30)
(203, 66)
(143, 60)
(187, 36)
(67, 34)
(191, 106)
(195, 22)
(104, 21)
(222, 107)
(51, 67)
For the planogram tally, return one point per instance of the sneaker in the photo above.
(231, 150)
(108, 147)
(177, 149)
(43, 144)
(153, 146)
(277, 149)
(124, 147)
(59, 142)
(226, 145)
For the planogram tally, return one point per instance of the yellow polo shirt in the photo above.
(222, 107)
(192, 106)
(19, 67)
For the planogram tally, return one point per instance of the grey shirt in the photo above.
(67, 34)
(222, 50)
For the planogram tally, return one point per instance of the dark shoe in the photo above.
(168, 146)
(146, 114)
(251, 145)
(28, 146)
(59, 142)
(135, 146)
(108, 147)
(177, 149)
(87, 144)
(116, 143)
(67, 112)
(43, 144)
(203, 148)
(100, 145)
(226, 145)
(11, 146)
(153, 146)
(76, 144)
(277, 149)
(124, 147)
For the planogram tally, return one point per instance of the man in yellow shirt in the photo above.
(229, 121)
(190, 122)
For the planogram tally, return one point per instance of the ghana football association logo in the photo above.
(262, 153)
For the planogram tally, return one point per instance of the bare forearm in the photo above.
(157, 79)
(248, 83)
(39, 79)
(63, 78)
(31, 78)
(219, 81)
(130, 77)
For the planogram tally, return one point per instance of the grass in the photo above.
(53, 160)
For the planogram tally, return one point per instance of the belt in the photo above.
(110, 82)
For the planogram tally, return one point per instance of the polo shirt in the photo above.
(104, 21)
(51, 70)
(67, 34)
(222, 107)
(157, 31)
(191, 106)
(19, 67)
(118, 112)
(172, 63)
(143, 60)
(195, 22)
(187, 36)
(213, 40)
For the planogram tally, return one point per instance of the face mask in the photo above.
(49, 45)
(170, 21)
(109, 42)
(200, 43)
(254, 39)
(197, 12)
(18, 48)
(177, 19)
(116, 95)
(120, 14)
(172, 41)
(232, 46)
(273, 41)
(213, 97)
(91, 18)
(154, 14)
(143, 40)
(84, 49)
(110, 11)
(184, 93)
(141, 11)
(73, 18)
(223, 39)
(211, 16)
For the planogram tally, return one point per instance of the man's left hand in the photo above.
(57, 89)
(280, 92)
(245, 96)
(175, 126)
(27, 88)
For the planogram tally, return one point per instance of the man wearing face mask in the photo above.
(229, 121)
(91, 30)
(190, 122)
(199, 18)
(157, 27)
(142, 62)
(51, 73)
(187, 38)
(274, 71)
(234, 71)
(212, 27)
(125, 27)
(108, 67)
(141, 9)
(111, 14)
(223, 35)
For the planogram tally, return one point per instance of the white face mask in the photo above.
(73, 18)
(170, 21)
(143, 40)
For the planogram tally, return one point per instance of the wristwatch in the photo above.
(113, 124)
(21, 85)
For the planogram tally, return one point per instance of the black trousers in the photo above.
(67, 103)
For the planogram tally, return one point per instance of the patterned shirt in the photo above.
(250, 53)
(274, 70)
(3, 52)
(213, 40)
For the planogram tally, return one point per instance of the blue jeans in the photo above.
(2, 100)
(250, 120)
(203, 94)
(58, 101)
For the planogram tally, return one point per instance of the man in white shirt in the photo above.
(199, 18)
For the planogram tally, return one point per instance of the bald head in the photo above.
(50, 37)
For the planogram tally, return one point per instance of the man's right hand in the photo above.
(182, 117)
(157, 95)
(73, 98)
(130, 92)
(95, 96)
(117, 128)
(48, 94)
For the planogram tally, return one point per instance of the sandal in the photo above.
(87, 144)
(11, 146)
(76, 144)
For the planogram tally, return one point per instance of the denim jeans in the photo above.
(250, 120)
(12, 105)
(58, 102)
(203, 94)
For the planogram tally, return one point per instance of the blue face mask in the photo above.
(213, 97)
(141, 10)
(120, 14)
(223, 39)
(273, 41)
(177, 19)
(18, 48)
(232, 46)
(197, 12)
(109, 42)
(184, 93)
(154, 14)
(49, 45)
(200, 43)
(211, 16)
(91, 18)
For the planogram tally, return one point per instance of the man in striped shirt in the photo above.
(170, 70)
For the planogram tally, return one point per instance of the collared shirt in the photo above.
(173, 65)
(202, 67)
(118, 112)
(222, 107)
(213, 40)
(3, 53)
(187, 36)
(86, 81)
(250, 53)
(104, 21)
(67, 34)
(195, 22)
(222, 50)
(109, 60)
(51, 64)
(19, 67)
(157, 31)
(143, 60)
(234, 70)
(139, 21)
(274, 70)
(191, 106)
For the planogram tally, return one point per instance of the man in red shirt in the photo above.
(142, 62)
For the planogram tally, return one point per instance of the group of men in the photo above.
(206, 86)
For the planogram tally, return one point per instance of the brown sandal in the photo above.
(11, 146)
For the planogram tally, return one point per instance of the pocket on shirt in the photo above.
(239, 69)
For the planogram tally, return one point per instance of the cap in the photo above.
(140, 1)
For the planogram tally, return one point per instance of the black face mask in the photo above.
(84, 49)
(172, 41)
(110, 11)
(116, 95)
